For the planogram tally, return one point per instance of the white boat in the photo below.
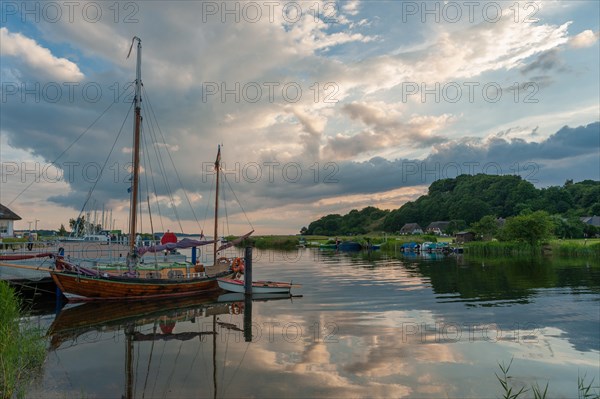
(258, 287)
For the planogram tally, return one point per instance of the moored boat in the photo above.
(79, 282)
(258, 287)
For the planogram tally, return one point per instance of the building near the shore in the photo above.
(464, 236)
(411, 228)
(7, 220)
(438, 228)
(591, 220)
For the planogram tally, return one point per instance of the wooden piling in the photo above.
(248, 271)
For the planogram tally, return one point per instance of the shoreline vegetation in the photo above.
(562, 248)
(581, 247)
(22, 346)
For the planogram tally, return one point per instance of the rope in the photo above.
(102, 169)
(153, 183)
(69, 147)
(149, 361)
(172, 162)
(238, 201)
(163, 170)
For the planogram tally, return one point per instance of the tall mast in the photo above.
(136, 151)
(217, 170)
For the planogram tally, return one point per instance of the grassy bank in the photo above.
(564, 248)
(561, 248)
(576, 248)
(271, 242)
(22, 347)
(287, 242)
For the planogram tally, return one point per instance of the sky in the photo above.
(320, 107)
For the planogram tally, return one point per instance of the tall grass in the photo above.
(271, 242)
(576, 249)
(555, 248)
(585, 390)
(496, 248)
(22, 347)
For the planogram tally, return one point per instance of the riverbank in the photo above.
(562, 248)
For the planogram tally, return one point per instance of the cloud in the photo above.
(385, 129)
(569, 153)
(351, 7)
(545, 62)
(30, 54)
(460, 53)
(363, 139)
(587, 38)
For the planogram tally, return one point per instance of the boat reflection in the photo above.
(153, 321)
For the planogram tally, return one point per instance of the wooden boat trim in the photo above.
(91, 288)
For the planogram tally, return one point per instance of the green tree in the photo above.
(303, 230)
(486, 227)
(62, 231)
(77, 225)
(533, 228)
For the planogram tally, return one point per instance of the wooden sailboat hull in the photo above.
(77, 287)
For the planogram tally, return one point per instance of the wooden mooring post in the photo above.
(248, 296)
(248, 271)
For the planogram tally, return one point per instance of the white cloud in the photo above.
(351, 7)
(462, 53)
(587, 38)
(37, 57)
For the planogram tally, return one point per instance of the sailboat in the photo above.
(79, 283)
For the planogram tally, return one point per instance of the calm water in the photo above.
(367, 325)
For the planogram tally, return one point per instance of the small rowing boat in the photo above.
(258, 287)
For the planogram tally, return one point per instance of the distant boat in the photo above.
(258, 287)
(343, 246)
(349, 246)
(97, 238)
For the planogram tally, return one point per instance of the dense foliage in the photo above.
(355, 222)
(466, 199)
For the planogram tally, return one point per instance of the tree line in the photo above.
(466, 200)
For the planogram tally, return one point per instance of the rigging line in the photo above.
(225, 211)
(141, 219)
(105, 162)
(158, 368)
(61, 365)
(237, 368)
(69, 147)
(145, 159)
(170, 379)
(191, 368)
(149, 361)
(238, 201)
(208, 202)
(161, 164)
(153, 182)
(225, 355)
(171, 158)
(163, 172)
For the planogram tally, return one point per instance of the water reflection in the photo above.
(376, 326)
(151, 332)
